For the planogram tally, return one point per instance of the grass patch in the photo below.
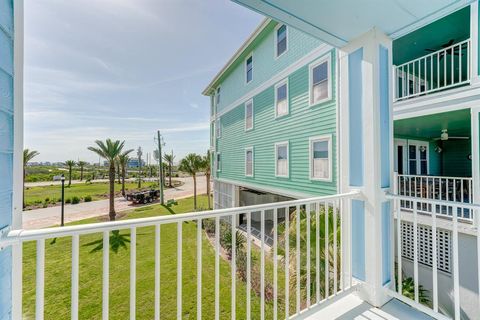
(97, 191)
(58, 269)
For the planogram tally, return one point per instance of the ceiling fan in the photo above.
(444, 136)
(446, 45)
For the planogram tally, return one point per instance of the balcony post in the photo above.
(474, 43)
(366, 145)
(475, 138)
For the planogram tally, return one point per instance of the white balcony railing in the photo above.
(439, 70)
(432, 236)
(312, 247)
(450, 189)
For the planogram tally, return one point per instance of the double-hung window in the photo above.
(217, 96)
(320, 81)
(218, 129)
(281, 99)
(218, 162)
(249, 69)
(321, 158)
(281, 35)
(281, 159)
(249, 162)
(248, 115)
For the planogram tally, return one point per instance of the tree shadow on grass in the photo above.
(117, 241)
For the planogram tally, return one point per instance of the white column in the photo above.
(367, 161)
(474, 41)
(474, 119)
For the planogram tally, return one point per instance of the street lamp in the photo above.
(62, 178)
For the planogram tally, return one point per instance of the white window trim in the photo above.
(275, 48)
(217, 102)
(327, 58)
(418, 143)
(245, 68)
(218, 168)
(279, 144)
(311, 140)
(253, 162)
(253, 114)
(285, 81)
(218, 129)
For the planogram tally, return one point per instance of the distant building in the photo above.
(133, 163)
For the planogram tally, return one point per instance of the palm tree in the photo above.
(123, 160)
(27, 156)
(81, 164)
(169, 160)
(191, 164)
(207, 170)
(118, 171)
(70, 164)
(109, 150)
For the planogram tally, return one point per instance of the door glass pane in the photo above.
(400, 159)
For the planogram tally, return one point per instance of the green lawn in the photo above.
(58, 268)
(39, 195)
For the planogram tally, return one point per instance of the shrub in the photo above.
(47, 199)
(87, 198)
(75, 200)
(68, 200)
(45, 204)
(209, 226)
(226, 241)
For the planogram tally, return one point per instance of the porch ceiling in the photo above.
(429, 127)
(433, 36)
(337, 22)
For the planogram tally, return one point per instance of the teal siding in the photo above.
(233, 86)
(302, 123)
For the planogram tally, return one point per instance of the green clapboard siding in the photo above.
(265, 66)
(302, 123)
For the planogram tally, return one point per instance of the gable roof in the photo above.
(212, 85)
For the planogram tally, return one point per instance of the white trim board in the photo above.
(313, 55)
(451, 100)
(282, 192)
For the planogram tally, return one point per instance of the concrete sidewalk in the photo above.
(48, 217)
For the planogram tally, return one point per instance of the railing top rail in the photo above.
(19, 235)
(433, 177)
(463, 205)
(433, 53)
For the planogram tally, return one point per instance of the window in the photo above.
(281, 158)
(281, 99)
(418, 157)
(212, 106)
(319, 82)
(249, 69)
(248, 115)
(217, 96)
(219, 162)
(281, 35)
(320, 158)
(249, 162)
(218, 129)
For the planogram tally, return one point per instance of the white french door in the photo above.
(411, 157)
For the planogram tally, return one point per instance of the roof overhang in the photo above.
(340, 21)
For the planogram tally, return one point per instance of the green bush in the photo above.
(209, 226)
(47, 199)
(75, 200)
(68, 200)
(87, 198)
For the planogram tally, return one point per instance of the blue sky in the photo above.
(123, 69)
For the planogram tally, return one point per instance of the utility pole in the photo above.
(160, 175)
(139, 154)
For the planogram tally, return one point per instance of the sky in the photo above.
(122, 69)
